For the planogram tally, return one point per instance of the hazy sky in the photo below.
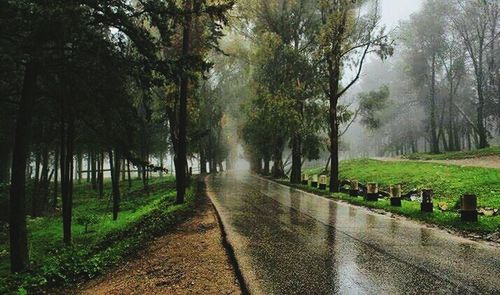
(395, 10)
(392, 12)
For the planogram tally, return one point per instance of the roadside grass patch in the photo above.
(143, 215)
(448, 182)
(491, 151)
(447, 219)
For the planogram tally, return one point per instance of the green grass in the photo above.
(142, 216)
(491, 151)
(448, 182)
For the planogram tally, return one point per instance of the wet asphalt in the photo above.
(292, 242)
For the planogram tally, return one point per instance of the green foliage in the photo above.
(143, 216)
(370, 105)
(86, 219)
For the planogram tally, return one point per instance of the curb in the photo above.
(227, 245)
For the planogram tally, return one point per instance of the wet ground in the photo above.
(291, 242)
(180, 262)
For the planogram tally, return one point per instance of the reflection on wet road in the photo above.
(290, 242)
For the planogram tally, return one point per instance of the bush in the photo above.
(86, 219)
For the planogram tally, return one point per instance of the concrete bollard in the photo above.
(395, 191)
(305, 179)
(426, 205)
(468, 207)
(372, 191)
(314, 181)
(322, 182)
(353, 191)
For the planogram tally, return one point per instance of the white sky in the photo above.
(395, 10)
(392, 12)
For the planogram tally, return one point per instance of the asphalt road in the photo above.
(291, 242)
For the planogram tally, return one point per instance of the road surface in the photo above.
(292, 242)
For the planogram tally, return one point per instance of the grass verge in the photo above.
(448, 182)
(447, 219)
(142, 217)
(491, 151)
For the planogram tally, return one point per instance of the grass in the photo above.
(491, 151)
(448, 182)
(107, 242)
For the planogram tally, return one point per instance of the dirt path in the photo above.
(189, 260)
(485, 162)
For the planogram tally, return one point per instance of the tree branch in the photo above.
(358, 74)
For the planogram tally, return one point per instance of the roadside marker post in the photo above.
(468, 208)
(426, 205)
(395, 192)
(305, 179)
(314, 181)
(372, 191)
(322, 182)
(354, 190)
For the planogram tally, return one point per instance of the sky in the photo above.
(392, 12)
(395, 10)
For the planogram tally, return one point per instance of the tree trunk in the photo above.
(145, 177)
(203, 162)
(93, 173)
(100, 175)
(434, 138)
(56, 173)
(277, 171)
(115, 179)
(483, 142)
(36, 185)
(5, 161)
(451, 116)
(267, 161)
(17, 218)
(334, 77)
(129, 176)
(80, 166)
(89, 161)
(122, 169)
(67, 145)
(180, 166)
(44, 180)
(296, 160)
(161, 164)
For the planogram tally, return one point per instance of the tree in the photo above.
(424, 37)
(345, 39)
(472, 22)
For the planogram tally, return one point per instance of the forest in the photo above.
(110, 109)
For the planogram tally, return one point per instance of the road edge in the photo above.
(233, 260)
(454, 232)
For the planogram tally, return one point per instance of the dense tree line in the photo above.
(444, 81)
(439, 92)
(301, 51)
(94, 82)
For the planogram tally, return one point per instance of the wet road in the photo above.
(291, 242)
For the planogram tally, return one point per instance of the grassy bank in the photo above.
(143, 215)
(448, 182)
(491, 151)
